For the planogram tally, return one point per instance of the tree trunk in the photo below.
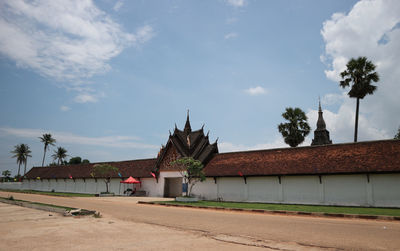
(25, 167)
(44, 154)
(19, 167)
(107, 182)
(356, 126)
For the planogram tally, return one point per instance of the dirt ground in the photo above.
(185, 227)
(29, 229)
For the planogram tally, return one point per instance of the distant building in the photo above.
(321, 135)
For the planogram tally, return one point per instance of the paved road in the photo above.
(273, 231)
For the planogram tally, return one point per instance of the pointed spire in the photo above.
(320, 123)
(188, 128)
(321, 135)
(319, 105)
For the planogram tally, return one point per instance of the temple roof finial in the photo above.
(188, 128)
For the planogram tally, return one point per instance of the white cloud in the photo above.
(118, 5)
(64, 108)
(370, 29)
(85, 98)
(333, 98)
(68, 41)
(237, 3)
(70, 138)
(231, 35)
(258, 90)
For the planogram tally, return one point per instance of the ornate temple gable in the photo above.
(171, 154)
(186, 143)
(321, 135)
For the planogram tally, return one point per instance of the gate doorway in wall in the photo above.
(172, 187)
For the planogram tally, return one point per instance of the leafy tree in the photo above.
(361, 73)
(21, 153)
(397, 136)
(106, 172)
(85, 161)
(75, 160)
(191, 171)
(6, 174)
(47, 140)
(296, 129)
(60, 154)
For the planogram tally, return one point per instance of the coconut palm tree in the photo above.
(47, 140)
(296, 129)
(59, 155)
(21, 152)
(27, 154)
(360, 72)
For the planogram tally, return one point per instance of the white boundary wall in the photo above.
(380, 190)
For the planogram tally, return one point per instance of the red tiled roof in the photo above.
(135, 168)
(362, 157)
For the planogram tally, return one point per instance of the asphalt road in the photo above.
(271, 231)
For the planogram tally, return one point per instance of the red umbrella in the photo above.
(131, 180)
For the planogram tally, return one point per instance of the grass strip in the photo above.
(294, 208)
(62, 194)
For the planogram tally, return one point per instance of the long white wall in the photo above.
(379, 190)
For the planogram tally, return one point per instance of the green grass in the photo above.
(297, 208)
(49, 193)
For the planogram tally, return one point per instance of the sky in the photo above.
(109, 79)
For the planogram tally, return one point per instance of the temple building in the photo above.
(349, 174)
(321, 135)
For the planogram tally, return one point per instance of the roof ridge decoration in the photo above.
(189, 143)
(321, 135)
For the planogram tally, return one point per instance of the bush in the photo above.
(11, 197)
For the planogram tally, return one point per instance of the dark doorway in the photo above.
(172, 187)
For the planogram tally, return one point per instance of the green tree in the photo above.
(47, 140)
(21, 153)
(191, 171)
(75, 160)
(361, 73)
(60, 154)
(296, 129)
(397, 136)
(6, 174)
(106, 172)
(85, 161)
(27, 153)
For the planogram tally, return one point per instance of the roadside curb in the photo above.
(33, 206)
(282, 212)
(65, 212)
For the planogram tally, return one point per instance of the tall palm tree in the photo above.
(361, 73)
(59, 155)
(46, 140)
(296, 129)
(27, 153)
(21, 152)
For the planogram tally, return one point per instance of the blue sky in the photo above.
(108, 79)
